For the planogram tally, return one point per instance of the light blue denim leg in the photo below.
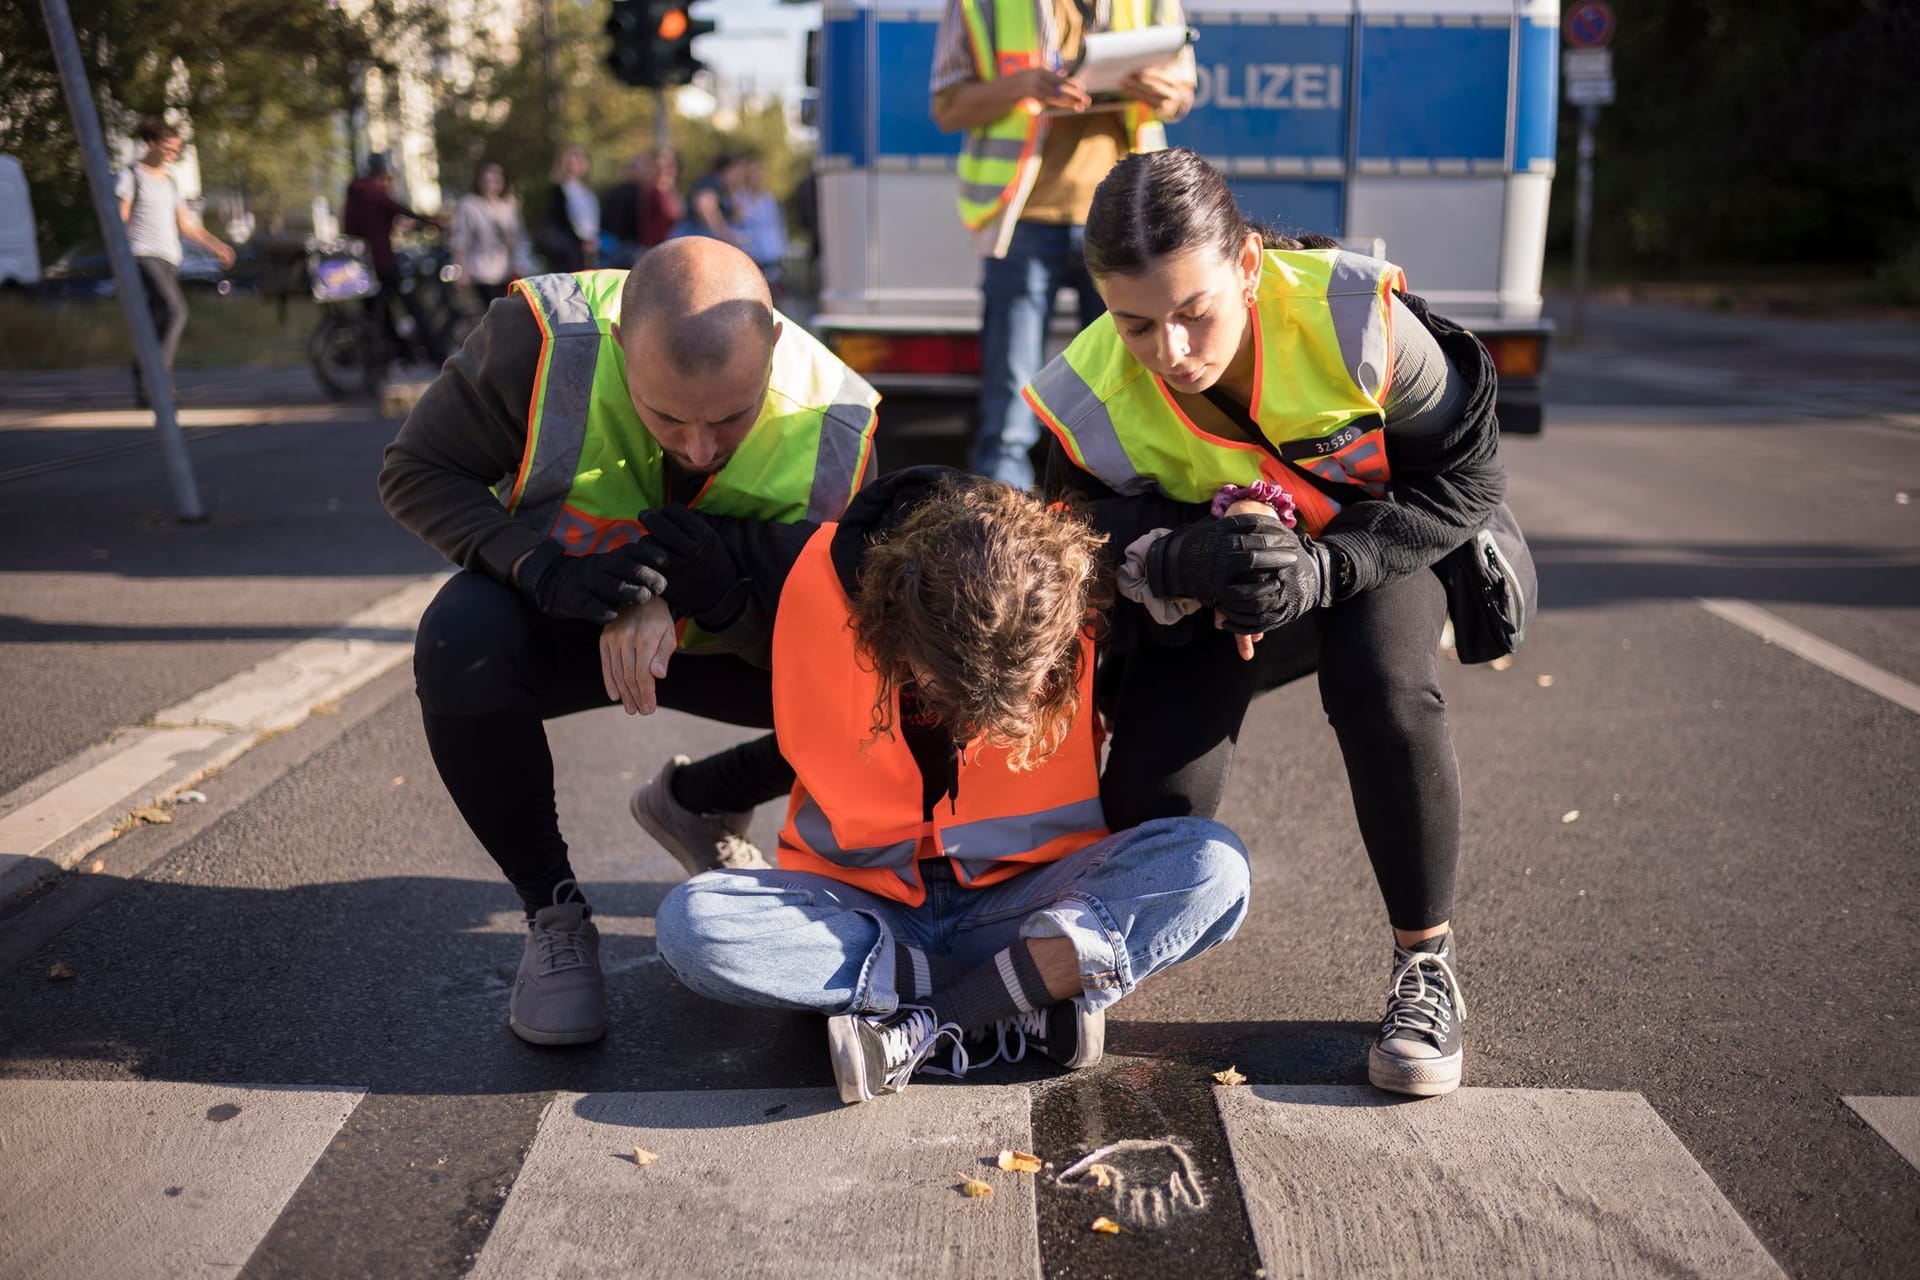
(783, 940)
(1133, 904)
(1017, 294)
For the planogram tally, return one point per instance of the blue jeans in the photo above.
(1135, 903)
(1018, 292)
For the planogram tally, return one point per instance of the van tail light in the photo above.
(1518, 355)
(944, 353)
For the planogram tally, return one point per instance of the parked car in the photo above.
(19, 254)
(84, 272)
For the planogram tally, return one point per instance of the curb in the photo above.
(49, 824)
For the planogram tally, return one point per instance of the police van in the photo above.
(1417, 130)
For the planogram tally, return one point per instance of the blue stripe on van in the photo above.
(1537, 104)
(845, 88)
(1292, 205)
(905, 59)
(1270, 92)
(1433, 93)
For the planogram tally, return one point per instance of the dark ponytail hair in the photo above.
(1155, 203)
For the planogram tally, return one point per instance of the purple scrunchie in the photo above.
(1259, 491)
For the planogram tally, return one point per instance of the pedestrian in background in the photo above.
(156, 216)
(1036, 147)
(370, 212)
(1236, 365)
(660, 206)
(712, 208)
(620, 212)
(763, 228)
(488, 240)
(569, 236)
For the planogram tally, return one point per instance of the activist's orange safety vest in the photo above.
(855, 812)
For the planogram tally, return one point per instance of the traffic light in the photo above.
(653, 42)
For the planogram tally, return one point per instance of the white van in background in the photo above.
(19, 250)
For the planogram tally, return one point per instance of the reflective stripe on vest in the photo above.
(998, 162)
(590, 462)
(855, 813)
(1323, 360)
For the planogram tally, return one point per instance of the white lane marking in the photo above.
(1778, 631)
(50, 822)
(1895, 1119)
(771, 1182)
(1343, 1180)
(148, 1178)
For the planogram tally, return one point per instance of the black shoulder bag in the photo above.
(1490, 587)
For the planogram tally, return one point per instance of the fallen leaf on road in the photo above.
(399, 780)
(1502, 662)
(152, 813)
(1106, 1226)
(97, 866)
(324, 709)
(1545, 682)
(191, 797)
(1229, 1077)
(61, 971)
(974, 1189)
(1103, 1175)
(1902, 499)
(1571, 815)
(643, 1157)
(1019, 1162)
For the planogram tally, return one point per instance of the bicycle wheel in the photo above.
(337, 353)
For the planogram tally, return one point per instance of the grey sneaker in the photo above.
(1068, 1032)
(1420, 1051)
(873, 1055)
(559, 995)
(698, 841)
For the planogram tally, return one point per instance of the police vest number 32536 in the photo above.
(1268, 86)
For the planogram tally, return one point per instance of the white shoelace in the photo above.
(1016, 1030)
(907, 1044)
(1422, 1007)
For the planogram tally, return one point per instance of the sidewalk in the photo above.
(112, 612)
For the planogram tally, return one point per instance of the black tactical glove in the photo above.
(1305, 582)
(707, 585)
(591, 588)
(1230, 563)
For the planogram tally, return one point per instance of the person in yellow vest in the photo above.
(1240, 377)
(1036, 146)
(580, 403)
(947, 878)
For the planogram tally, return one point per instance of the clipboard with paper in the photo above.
(1107, 58)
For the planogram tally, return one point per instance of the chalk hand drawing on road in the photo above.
(1151, 1182)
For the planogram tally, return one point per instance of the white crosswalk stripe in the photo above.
(132, 1179)
(770, 1182)
(1482, 1183)
(1895, 1119)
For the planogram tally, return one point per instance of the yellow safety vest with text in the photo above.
(998, 163)
(1323, 350)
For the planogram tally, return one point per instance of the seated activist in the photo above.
(1238, 366)
(946, 877)
(580, 401)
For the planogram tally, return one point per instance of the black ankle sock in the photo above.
(734, 780)
(918, 974)
(1009, 983)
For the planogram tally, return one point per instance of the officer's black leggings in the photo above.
(1176, 713)
(489, 669)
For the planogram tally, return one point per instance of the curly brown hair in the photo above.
(978, 598)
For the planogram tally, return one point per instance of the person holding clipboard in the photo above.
(1037, 144)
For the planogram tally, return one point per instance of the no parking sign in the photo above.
(1589, 24)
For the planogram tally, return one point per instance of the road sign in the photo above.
(1590, 93)
(1589, 24)
(1586, 64)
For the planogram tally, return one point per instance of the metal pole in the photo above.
(662, 122)
(549, 51)
(133, 293)
(1582, 217)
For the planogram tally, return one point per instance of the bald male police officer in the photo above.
(553, 461)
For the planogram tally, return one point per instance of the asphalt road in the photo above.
(1725, 928)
